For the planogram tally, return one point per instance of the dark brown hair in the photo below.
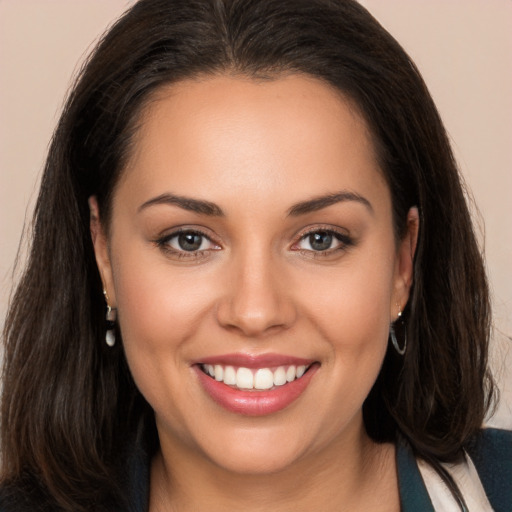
(69, 403)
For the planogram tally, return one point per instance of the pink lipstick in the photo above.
(255, 385)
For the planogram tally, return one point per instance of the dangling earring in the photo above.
(392, 334)
(111, 317)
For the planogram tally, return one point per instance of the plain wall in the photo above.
(462, 47)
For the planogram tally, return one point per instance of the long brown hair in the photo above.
(69, 404)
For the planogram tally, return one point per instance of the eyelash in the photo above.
(345, 242)
(163, 243)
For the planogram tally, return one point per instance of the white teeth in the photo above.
(219, 372)
(244, 378)
(262, 378)
(280, 376)
(229, 376)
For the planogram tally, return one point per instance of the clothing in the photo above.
(490, 453)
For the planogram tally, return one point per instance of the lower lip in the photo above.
(255, 403)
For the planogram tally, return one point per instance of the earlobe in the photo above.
(101, 252)
(405, 263)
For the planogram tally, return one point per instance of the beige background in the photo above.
(462, 47)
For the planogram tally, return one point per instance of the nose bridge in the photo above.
(256, 300)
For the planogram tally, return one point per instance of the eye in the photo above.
(323, 241)
(319, 241)
(187, 243)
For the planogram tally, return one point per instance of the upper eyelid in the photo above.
(188, 229)
(299, 235)
(163, 243)
(343, 236)
(325, 228)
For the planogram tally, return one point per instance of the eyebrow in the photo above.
(318, 203)
(187, 203)
(211, 209)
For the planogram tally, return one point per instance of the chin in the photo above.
(244, 462)
(257, 453)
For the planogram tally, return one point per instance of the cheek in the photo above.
(155, 303)
(350, 307)
(352, 304)
(159, 311)
(353, 319)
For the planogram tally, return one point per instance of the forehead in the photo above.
(294, 136)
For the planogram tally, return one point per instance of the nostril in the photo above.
(252, 319)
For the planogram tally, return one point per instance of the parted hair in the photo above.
(69, 404)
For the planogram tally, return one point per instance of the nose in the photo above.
(257, 300)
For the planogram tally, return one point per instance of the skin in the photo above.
(256, 149)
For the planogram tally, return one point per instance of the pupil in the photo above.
(189, 241)
(320, 241)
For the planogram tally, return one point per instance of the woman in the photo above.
(254, 281)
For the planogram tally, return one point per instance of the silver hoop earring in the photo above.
(392, 335)
(110, 321)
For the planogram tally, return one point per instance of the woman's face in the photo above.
(252, 237)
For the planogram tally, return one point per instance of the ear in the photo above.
(101, 251)
(404, 269)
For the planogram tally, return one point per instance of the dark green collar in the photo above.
(413, 492)
(491, 453)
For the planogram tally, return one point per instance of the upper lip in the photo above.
(255, 360)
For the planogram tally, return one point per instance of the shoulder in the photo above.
(491, 453)
(484, 477)
(491, 444)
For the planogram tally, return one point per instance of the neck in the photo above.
(354, 474)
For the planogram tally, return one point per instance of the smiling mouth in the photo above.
(257, 379)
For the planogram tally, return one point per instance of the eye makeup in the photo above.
(187, 243)
(192, 243)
